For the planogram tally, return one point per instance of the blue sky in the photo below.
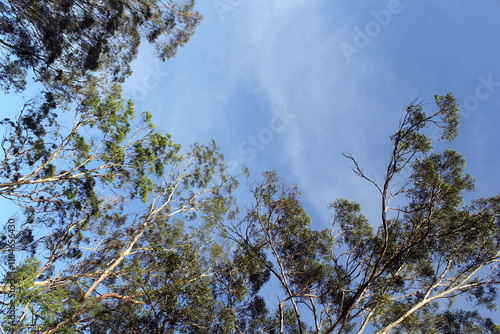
(273, 84)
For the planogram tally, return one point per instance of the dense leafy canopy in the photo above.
(67, 44)
(78, 188)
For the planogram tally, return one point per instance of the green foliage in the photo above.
(432, 248)
(449, 109)
(357, 233)
(78, 185)
(69, 44)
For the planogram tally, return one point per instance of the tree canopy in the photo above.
(126, 232)
(68, 44)
(396, 275)
(78, 187)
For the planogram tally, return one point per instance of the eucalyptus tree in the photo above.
(105, 201)
(67, 44)
(396, 275)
